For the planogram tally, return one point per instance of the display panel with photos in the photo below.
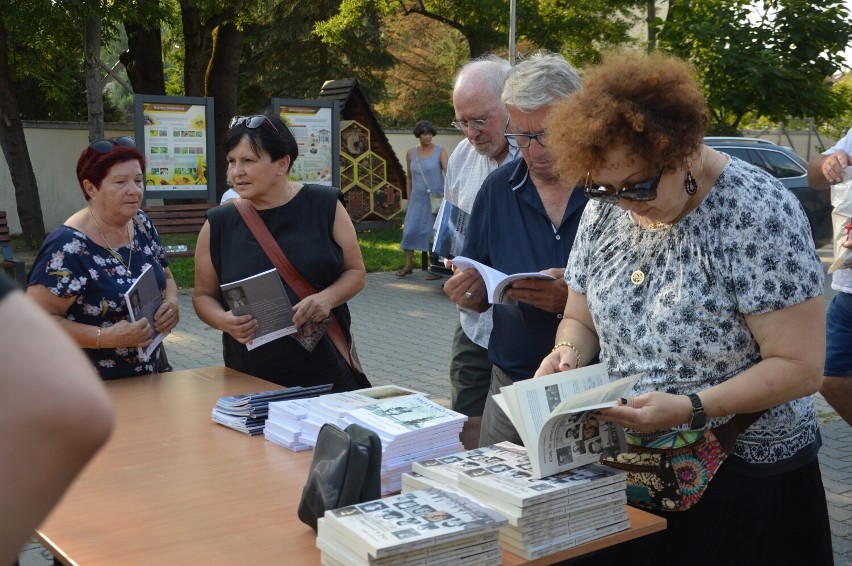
(175, 134)
(315, 125)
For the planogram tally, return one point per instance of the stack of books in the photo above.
(283, 425)
(544, 515)
(334, 407)
(248, 413)
(411, 428)
(421, 527)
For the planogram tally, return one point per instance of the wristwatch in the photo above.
(699, 415)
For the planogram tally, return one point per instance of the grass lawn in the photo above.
(380, 249)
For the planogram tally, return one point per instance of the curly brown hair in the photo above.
(650, 103)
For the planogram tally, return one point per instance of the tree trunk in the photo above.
(94, 89)
(14, 146)
(652, 28)
(196, 48)
(221, 84)
(144, 62)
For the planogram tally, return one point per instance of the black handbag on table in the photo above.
(346, 470)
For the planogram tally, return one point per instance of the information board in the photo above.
(175, 133)
(316, 126)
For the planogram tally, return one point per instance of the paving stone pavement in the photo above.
(404, 329)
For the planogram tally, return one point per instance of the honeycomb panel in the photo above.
(358, 202)
(347, 172)
(387, 201)
(354, 139)
(371, 170)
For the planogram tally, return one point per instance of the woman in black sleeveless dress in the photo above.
(314, 231)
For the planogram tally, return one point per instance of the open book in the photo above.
(143, 298)
(264, 298)
(450, 229)
(496, 282)
(553, 416)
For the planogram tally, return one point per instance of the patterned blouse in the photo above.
(745, 250)
(70, 264)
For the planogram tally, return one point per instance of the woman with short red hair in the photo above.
(87, 264)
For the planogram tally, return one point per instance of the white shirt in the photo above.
(466, 170)
(840, 280)
(229, 194)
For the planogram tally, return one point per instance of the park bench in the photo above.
(179, 219)
(11, 267)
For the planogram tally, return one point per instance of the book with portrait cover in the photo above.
(143, 298)
(264, 298)
(553, 415)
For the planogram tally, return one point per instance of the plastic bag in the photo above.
(841, 194)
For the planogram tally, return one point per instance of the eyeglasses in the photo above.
(646, 190)
(524, 140)
(477, 124)
(106, 145)
(252, 122)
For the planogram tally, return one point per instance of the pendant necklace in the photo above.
(638, 275)
(111, 250)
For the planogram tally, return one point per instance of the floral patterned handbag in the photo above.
(671, 472)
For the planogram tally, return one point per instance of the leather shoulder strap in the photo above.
(294, 279)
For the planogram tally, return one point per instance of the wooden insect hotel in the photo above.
(370, 173)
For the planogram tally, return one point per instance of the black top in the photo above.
(303, 228)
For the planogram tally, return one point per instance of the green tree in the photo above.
(282, 57)
(767, 59)
(577, 30)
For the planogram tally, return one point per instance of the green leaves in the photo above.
(767, 59)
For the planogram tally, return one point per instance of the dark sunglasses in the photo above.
(106, 145)
(646, 190)
(252, 122)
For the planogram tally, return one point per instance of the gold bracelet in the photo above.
(98, 345)
(572, 346)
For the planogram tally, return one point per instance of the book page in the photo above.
(496, 282)
(506, 284)
(143, 298)
(551, 414)
(264, 298)
(535, 399)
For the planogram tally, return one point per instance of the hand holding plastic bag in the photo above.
(841, 194)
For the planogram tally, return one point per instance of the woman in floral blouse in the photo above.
(87, 264)
(697, 273)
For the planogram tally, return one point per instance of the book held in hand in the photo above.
(553, 416)
(143, 298)
(450, 230)
(264, 298)
(496, 282)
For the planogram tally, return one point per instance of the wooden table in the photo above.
(172, 487)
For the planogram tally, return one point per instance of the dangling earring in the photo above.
(690, 185)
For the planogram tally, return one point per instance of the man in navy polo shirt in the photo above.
(524, 219)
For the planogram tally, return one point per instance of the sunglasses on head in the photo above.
(106, 145)
(252, 122)
(646, 190)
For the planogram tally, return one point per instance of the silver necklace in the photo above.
(111, 249)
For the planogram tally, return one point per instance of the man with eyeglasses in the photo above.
(481, 115)
(523, 220)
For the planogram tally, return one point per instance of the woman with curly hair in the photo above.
(696, 272)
